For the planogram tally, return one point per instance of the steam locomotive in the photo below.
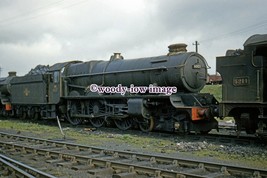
(155, 93)
(244, 87)
(161, 93)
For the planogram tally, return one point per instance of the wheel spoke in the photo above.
(97, 111)
(147, 124)
(97, 122)
(75, 108)
(33, 114)
(124, 123)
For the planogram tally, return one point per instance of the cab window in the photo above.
(56, 77)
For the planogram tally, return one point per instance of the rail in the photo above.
(21, 170)
(121, 162)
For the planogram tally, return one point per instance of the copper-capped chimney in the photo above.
(116, 56)
(177, 48)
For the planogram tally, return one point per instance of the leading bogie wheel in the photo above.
(147, 124)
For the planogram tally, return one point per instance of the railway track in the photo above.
(12, 168)
(89, 161)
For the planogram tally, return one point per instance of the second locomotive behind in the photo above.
(244, 96)
(62, 90)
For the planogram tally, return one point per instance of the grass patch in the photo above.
(94, 138)
(250, 161)
(216, 90)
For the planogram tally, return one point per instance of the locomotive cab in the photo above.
(244, 75)
(54, 83)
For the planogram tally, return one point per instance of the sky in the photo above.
(50, 31)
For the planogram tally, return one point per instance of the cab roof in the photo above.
(258, 39)
(59, 66)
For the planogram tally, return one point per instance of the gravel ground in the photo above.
(172, 145)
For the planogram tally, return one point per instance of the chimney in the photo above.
(116, 56)
(177, 48)
(12, 74)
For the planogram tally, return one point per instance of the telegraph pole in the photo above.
(196, 43)
(0, 70)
